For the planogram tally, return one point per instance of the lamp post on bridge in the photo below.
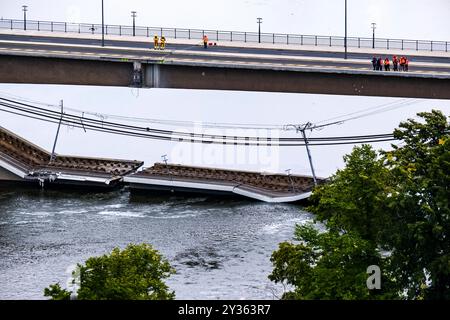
(374, 26)
(24, 9)
(133, 15)
(103, 26)
(259, 29)
(345, 39)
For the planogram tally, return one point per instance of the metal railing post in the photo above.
(161, 33)
(69, 27)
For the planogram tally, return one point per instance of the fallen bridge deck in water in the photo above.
(23, 161)
(262, 186)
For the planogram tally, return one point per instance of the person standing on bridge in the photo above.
(402, 63)
(205, 41)
(395, 63)
(155, 42)
(379, 64)
(387, 64)
(406, 64)
(163, 43)
(374, 63)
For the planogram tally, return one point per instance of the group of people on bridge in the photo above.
(399, 64)
(159, 43)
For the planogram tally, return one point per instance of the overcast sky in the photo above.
(416, 19)
(407, 19)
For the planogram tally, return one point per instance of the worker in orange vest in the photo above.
(163, 43)
(395, 63)
(402, 63)
(205, 41)
(387, 65)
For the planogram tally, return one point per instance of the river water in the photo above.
(220, 247)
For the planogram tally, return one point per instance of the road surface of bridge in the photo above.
(30, 57)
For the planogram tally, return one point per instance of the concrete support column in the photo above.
(152, 76)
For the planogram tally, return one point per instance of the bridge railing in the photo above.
(233, 36)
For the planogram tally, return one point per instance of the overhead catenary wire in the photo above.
(339, 122)
(84, 121)
(180, 123)
(263, 142)
(191, 134)
(159, 131)
(220, 125)
(366, 112)
(96, 125)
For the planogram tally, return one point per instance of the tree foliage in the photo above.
(327, 265)
(354, 197)
(135, 273)
(56, 292)
(397, 201)
(419, 226)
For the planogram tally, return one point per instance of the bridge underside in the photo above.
(43, 70)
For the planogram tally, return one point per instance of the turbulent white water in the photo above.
(220, 247)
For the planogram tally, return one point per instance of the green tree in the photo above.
(396, 201)
(418, 232)
(354, 197)
(56, 292)
(135, 273)
(329, 265)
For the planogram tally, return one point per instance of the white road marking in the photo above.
(203, 60)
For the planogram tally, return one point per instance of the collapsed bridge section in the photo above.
(22, 161)
(190, 179)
